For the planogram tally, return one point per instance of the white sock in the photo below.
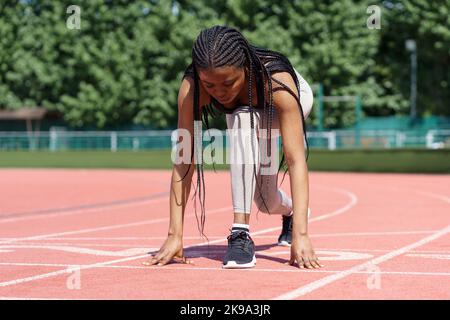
(240, 227)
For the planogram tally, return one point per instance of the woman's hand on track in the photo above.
(303, 252)
(171, 250)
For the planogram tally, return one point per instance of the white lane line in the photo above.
(59, 234)
(108, 253)
(424, 193)
(325, 281)
(342, 274)
(434, 195)
(84, 244)
(44, 245)
(363, 234)
(68, 270)
(102, 208)
(90, 266)
(256, 269)
(32, 264)
(117, 226)
(316, 235)
(325, 255)
(95, 265)
(430, 256)
(353, 202)
(15, 298)
(115, 238)
(385, 250)
(86, 210)
(357, 234)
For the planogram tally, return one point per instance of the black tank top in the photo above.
(223, 109)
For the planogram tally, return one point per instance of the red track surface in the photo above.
(83, 234)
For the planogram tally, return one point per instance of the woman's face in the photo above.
(224, 83)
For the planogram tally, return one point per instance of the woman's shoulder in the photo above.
(283, 79)
(187, 88)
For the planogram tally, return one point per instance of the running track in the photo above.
(83, 234)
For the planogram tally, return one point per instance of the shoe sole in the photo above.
(235, 265)
(284, 244)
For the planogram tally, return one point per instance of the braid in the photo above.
(199, 159)
(223, 46)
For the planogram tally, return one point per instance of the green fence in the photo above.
(151, 140)
(394, 160)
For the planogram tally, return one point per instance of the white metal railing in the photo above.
(55, 140)
(438, 139)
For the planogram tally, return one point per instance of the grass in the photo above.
(402, 160)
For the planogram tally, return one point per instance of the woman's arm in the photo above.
(179, 190)
(172, 249)
(294, 150)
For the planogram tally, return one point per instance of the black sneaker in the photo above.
(285, 238)
(240, 252)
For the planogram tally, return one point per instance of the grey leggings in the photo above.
(275, 201)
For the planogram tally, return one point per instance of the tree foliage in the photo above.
(124, 65)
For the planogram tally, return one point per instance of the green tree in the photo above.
(124, 65)
(428, 23)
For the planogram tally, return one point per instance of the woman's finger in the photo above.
(155, 259)
(292, 260)
(149, 262)
(146, 263)
(317, 262)
(316, 259)
(307, 263)
(165, 260)
(314, 263)
(182, 260)
(300, 262)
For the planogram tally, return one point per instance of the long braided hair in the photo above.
(221, 46)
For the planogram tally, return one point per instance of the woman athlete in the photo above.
(257, 89)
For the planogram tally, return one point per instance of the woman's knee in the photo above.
(273, 202)
(266, 204)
